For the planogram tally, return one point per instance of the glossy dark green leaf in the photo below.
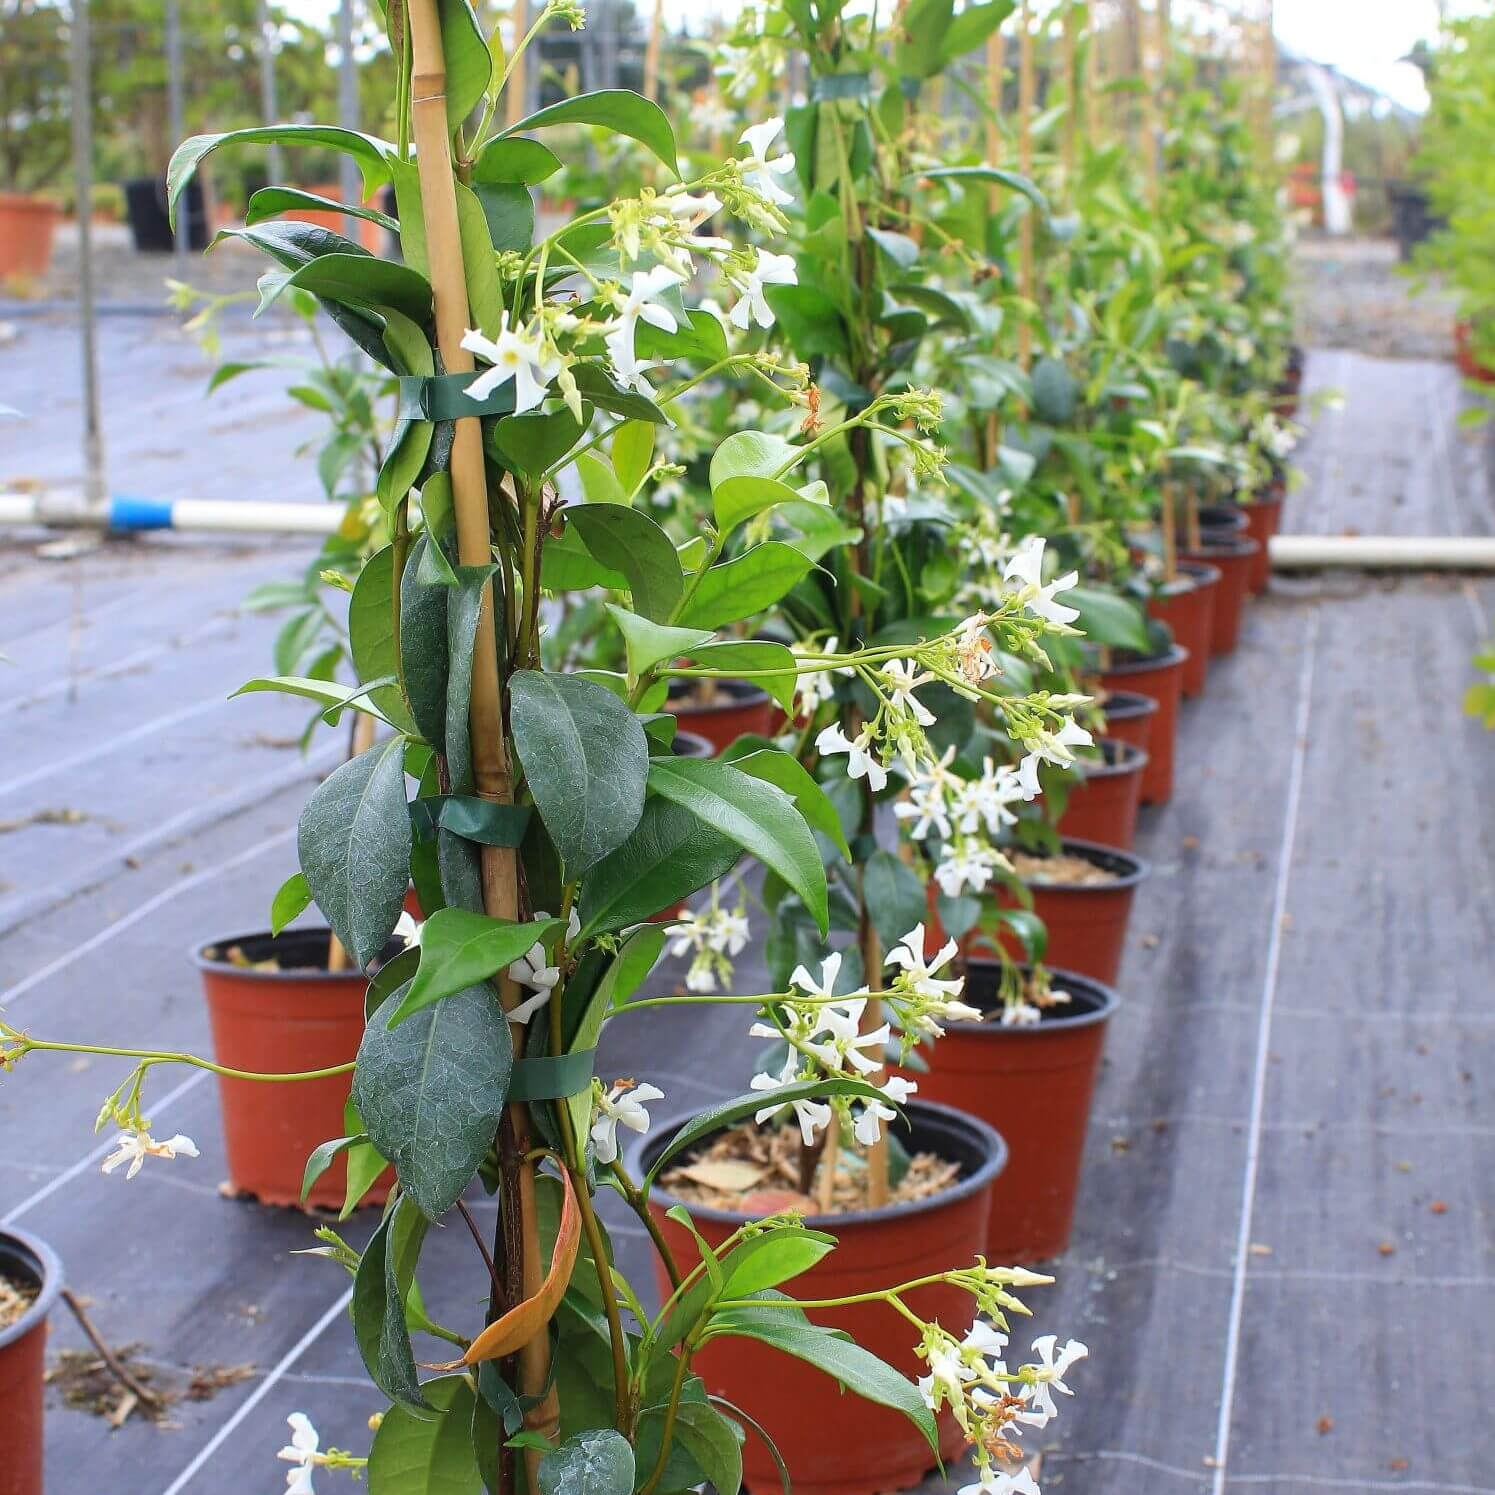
(628, 541)
(509, 211)
(515, 159)
(649, 643)
(616, 109)
(459, 949)
(380, 1286)
(895, 896)
(267, 202)
(596, 1462)
(790, 775)
(423, 664)
(293, 897)
(670, 855)
(353, 841)
(1056, 391)
(322, 1158)
(745, 585)
(1107, 618)
(754, 656)
(371, 635)
(422, 1454)
(585, 761)
(762, 820)
(359, 280)
(469, 64)
(992, 175)
(431, 1091)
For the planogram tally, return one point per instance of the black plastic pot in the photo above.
(150, 227)
(1221, 519)
(23, 1258)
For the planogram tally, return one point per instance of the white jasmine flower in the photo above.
(842, 1021)
(518, 355)
(408, 928)
(813, 1115)
(623, 1105)
(948, 1373)
(973, 649)
(970, 865)
(918, 975)
(901, 679)
(1055, 747)
(861, 762)
(641, 304)
(691, 211)
(627, 367)
(533, 969)
(1049, 1378)
(995, 1482)
(873, 1113)
(135, 1146)
(1026, 568)
(751, 306)
(1027, 777)
(801, 980)
(303, 1452)
(1020, 1015)
(758, 172)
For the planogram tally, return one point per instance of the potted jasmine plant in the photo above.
(549, 819)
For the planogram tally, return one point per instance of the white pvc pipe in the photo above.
(1383, 552)
(123, 513)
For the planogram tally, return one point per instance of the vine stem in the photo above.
(165, 1056)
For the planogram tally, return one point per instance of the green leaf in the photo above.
(293, 897)
(627, 541)
(353, 841)
(972, 26)
(739, 588)
(1106, 618)
(755, 454)
(649, 643)
(585, 760)
(810, 320)
(598, 386)
(993, 175)
(759, 817)
(710, 1440)
(790, 775)
(515, 160)
(431, 1091)
(267, 202)
(323, 1157)
(469, 64)
(485, 299)
(371, 635)
(459, 949)
(632, 451)
(370, 154)
(384, 1277)
(425, 1455)
(855, 1368)
(753, 655)
(360, 280)
(720, 1117)
(599, 483)
(700, 336)
(1056, 392)
(536, 440)
(895, 895)
(616, 109)
(509, 211)
(740, 498)
(598, 1461)
(423, 662)
(669, 856)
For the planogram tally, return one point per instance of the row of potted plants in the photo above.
(647, 586)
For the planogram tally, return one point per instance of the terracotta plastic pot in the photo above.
(740, 707)
(300, 1017)
(1217, 519)
(1087, 924)
(1129, 717)
(23, 1258)
(1233, 556)
(26, 225)
(1103, 806)
(1034, 1085)
(1263, 517)
(1161, 677)
(1464, 355)
(834, 1442)
(1187, 606)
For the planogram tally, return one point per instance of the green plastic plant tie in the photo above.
(442, 397)
(471, 818)
(552, 1076)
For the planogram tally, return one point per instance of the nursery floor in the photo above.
(1284, 1257)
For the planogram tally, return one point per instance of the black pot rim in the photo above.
(1176, 655)
(1232, 542)
(700, 747)
(1098, 856)
(1192, 575)
(984, 1135)
(1228, 518)
(1122, 757)
(1133, 704)
(1261, 501)
(198, 955)
(743, 693)
(38, 1260)
(1110, 1000)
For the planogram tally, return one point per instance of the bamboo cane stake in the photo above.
(1170, 533)
(996, 61)
(1025, 102)
(1148, 123)
(470, 506)
(1094, 73)
(514, 104)
(1071, 89)
(651, 56)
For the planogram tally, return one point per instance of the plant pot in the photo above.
(23, 1363)
(834, 1442)
(1233, 555)
(1464, 355)
(1263, 517)
(1221, 519)
(1087, 924)
(1130, 717)
(1187, 606)
(1033, 1084)
(26, 225)
(150, 228)
(740, 707)
(1161, 677)
(301, 1017)
(691, 745)
(1103, 806)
